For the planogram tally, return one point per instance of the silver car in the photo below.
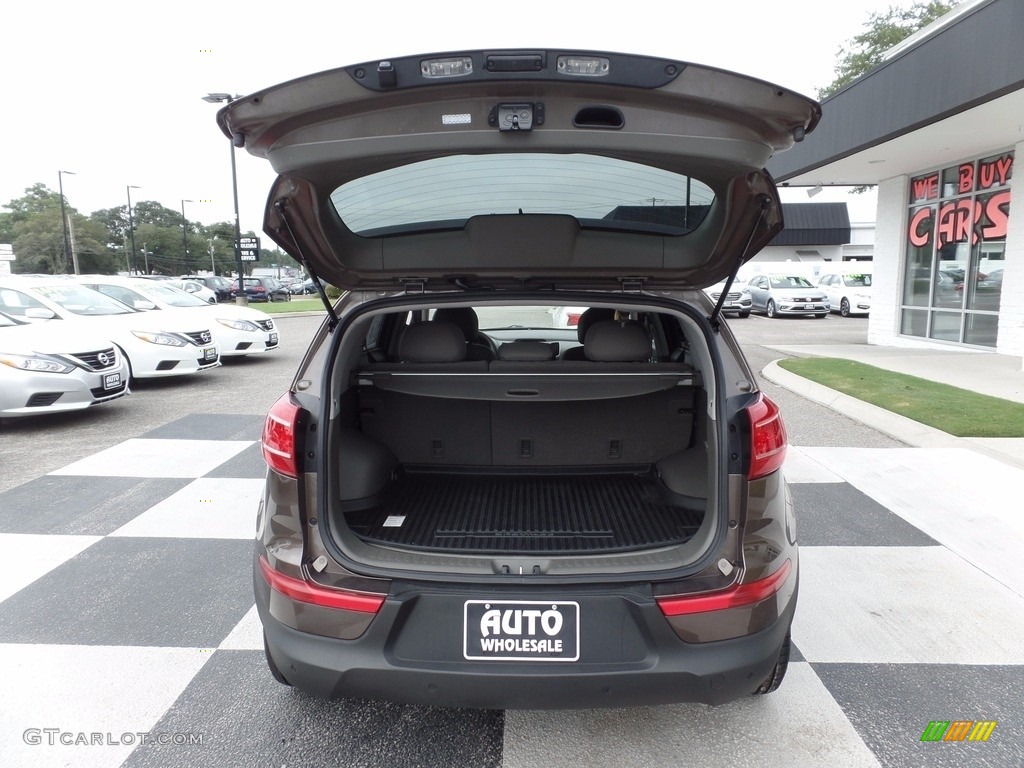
(46, 370)
(778, 295)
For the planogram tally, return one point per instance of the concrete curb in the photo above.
(899, 427)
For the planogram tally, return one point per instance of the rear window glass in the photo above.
(597, 191)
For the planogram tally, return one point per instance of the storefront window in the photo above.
(956, 237)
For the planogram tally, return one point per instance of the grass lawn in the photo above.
(311, 304)
(951, 409)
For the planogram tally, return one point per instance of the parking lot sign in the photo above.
(249, 248)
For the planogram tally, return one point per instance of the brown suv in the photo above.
(469, 503)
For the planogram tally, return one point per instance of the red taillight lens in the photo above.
(767, 438)
(279, 436)
(734, 597)
(574, 318)
(315, 594)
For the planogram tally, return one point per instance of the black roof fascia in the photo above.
(943, 75)
(814, 224)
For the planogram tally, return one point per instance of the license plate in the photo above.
(209, 353)
(508, 630)
(808, 306)
(273, 338)
(112, 381)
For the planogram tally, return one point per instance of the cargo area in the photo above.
(600, 512)
(541, 452)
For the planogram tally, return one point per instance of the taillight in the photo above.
(279, 436)
(767, 437)
(316, 594)
(734, 597)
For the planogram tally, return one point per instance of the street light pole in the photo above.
(184, 236)
(64, 218)
(131, 229)
(227, 98)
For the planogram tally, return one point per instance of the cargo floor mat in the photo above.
(563, 514)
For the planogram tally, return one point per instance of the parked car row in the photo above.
(847, 292)
(62, 332)
(262, 289)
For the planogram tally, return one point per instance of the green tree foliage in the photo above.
(32, 223)
(881, 32)
(114, 221)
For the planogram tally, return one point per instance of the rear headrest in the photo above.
(434, 341)
(591, 316)
(613, 341)
(528, 351)
(464, 317)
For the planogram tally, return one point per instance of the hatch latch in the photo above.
(517, 117)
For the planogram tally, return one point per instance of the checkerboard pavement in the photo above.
(126, 612)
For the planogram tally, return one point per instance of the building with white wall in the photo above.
(936, 127)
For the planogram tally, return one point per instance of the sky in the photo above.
(111, 91)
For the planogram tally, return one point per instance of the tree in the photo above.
(882, 32)
(37, 199)
(114, 221)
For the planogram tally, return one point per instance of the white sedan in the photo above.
(44, 369)
(238, 330)
(153, 346)
(849, 293)
(196, 288)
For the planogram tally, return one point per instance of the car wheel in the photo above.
(277, 672)
(212, 300)
(745, 314)
(774, 680)
(844, 308)
(770, 308)
(270, 297)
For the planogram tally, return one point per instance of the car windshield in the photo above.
(790, 281)
(80, 300)
(597, 191)
(176, 297)
(855, 281)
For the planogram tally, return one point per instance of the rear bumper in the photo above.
(637, 661)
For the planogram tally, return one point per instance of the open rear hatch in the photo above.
(513, 168)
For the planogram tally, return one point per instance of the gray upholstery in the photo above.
(432, 342)
(481, 346)
(587, 319)
(613, 341)
(528, 351)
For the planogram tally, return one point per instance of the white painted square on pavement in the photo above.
(117, 693)
(247, 634)
(968, 502)
(904, 605)
(207, 508)
(29, 556)
(801, 468)
(801, 722)
(140, 457)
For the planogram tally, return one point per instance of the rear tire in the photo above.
(745, 314)
(774, 680)
(770, 308)
(844, 308)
